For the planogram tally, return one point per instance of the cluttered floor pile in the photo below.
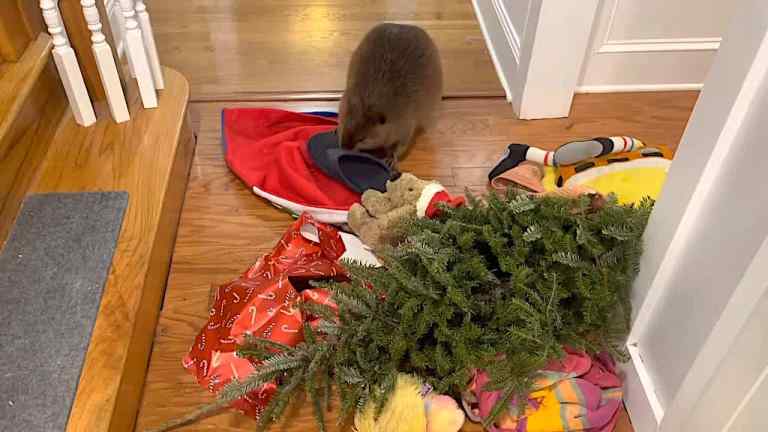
(422, 310)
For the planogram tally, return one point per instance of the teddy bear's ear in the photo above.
(393, 183)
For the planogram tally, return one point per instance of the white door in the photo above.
(653, 45)
(538, 47)
(547, 50)
(699, 342)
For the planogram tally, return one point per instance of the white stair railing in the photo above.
(105, 62)
(66, 63)
(117, 23)
(149, 44)
(134, 40)
(137, 55)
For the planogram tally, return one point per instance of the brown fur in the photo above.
(394, 88)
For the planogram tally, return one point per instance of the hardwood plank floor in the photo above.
(246, 50)
(224, 227)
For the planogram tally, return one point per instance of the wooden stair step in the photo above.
(19, 81)
(149, 157)
(32, 102)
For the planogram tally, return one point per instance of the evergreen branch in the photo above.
(319, 310)
(532, 233)
(568, 258)
(521, 203)
(619, 232)
(279, 402)
(256, 343)
(349, 375)
(325, 376)
(500, 405)
(407, 280)
(309, 334)
(196, 415)
(348, 395)
(383, 392)
(350, 303)
(329, 328)
(268, 370)
(230, 393)
(609, 258)
(311, 386)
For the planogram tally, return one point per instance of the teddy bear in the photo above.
(375, 220)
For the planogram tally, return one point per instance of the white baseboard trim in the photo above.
(487, 18)
(627, 88)
(660, 45)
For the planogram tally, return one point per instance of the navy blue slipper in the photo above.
(359, 171)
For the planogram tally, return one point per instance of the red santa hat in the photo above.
(433, 195)
(267, 150)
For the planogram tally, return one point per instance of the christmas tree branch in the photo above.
(198, 414)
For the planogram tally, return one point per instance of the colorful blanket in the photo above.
(577, 393)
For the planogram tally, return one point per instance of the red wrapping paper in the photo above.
(263, 302)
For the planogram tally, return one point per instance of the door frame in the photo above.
(538, 65)
(711, 215)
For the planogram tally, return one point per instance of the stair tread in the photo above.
(149, 157)
(48, 267)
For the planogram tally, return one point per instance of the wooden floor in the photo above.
(224, 227)
(256, 49)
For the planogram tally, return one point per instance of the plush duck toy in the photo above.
(412, 407)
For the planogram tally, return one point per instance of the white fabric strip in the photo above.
(328, 216)
(540, 156)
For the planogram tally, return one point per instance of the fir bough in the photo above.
(501, 284)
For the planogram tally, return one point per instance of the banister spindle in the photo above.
(134, 46)
(117, 24)
(66, 63)
(149, 43)
(105, 62)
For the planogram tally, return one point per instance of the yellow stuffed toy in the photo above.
(630, 175)
(412, 408)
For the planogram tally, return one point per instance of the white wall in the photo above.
(641, 45)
